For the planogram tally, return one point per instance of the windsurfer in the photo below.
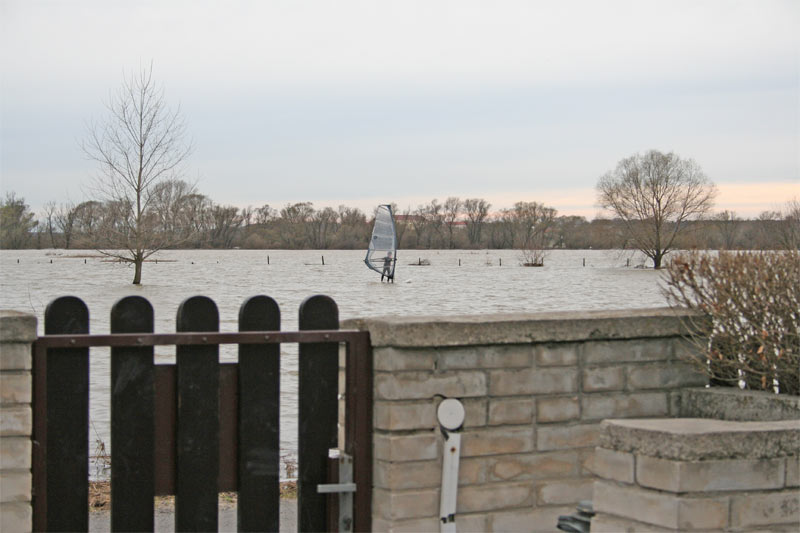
(387, 268)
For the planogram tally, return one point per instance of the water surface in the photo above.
(471, 282)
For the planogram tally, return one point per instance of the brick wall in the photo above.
(691, 474)
(535, 388)
(17, 332)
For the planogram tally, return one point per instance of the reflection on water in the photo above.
(456, 282)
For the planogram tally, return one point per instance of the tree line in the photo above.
(659, 202)
(185, 218)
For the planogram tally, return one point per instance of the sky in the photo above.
(367, 102)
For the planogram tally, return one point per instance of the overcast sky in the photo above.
(360, 103)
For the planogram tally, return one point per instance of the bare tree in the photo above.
(655, 195)
(728, 226)
(294, 219)
(789, 226)
(65, 222)
(49, 219)
(476, 210)
(321, 227)
(401, 222)
(226, 221)
(168, 200)
(353, 231)
(451, 209)
(140, 143)
(534, 221)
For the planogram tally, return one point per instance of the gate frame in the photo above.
(358, 396)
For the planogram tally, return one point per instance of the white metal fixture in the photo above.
(451, 420)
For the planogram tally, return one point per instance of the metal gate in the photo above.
(199, 427)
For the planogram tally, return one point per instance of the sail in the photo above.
(382, 250)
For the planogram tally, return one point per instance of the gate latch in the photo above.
(345, 488)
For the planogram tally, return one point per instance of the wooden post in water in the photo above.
(323, 260)
(501, 261)
(459, 262)
(584, 261)
(267, 259)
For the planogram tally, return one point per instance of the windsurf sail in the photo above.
(382, 251)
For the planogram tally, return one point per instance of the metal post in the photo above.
(451, 421)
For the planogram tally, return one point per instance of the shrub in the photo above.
(750, 308)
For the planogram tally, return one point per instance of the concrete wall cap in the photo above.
(728, 403)
(516, 328)
(696, 439)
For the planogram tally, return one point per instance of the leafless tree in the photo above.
(87, 219)
(728, 226)
(225, 223)
(294, 219)
(322, 224)
(789, 226)
(49, 219)
(401, 222)
(476, 210)
(140, 143)
(450, 211)
(353, 231)
(65, 222)
(168, 200)
(534, 221)
(264, 215)
(656, 194)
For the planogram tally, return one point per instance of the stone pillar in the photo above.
(692, 475)
(17, 332)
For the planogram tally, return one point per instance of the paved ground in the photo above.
(165, 518)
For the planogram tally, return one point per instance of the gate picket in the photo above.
(132, 420)
(197, 455)
(67, 489)
(197, 427)
(318, 411)
(259, 404)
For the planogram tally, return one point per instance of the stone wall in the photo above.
(535, 388)
(691, 474)
(17, 332)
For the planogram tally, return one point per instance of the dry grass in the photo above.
(100, 496)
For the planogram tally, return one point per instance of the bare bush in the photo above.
(750, 304)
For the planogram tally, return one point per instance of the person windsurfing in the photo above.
(387, 268)
(382, 249)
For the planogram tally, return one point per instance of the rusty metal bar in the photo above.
(39, 456)
(358, 426)
(161, 339)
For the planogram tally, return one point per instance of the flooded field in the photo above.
(457, 282)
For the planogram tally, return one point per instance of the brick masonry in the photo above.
(17, 331)
(535, 389)
(646, 482)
